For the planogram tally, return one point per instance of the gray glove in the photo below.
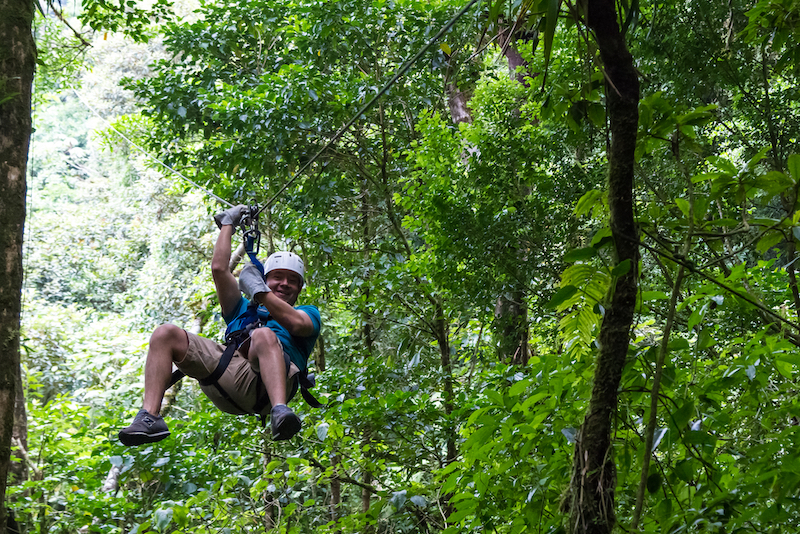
(251, 281)
(232, 216)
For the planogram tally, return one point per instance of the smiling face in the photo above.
(285, 284)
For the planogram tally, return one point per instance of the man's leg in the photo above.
(168, 343)
(265, 346)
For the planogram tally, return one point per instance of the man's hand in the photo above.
(251, 281)
(231, 216)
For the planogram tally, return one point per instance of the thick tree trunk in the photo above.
(594, 472)
(457, 101)
(17, 61)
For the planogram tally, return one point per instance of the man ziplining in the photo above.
(267, 358)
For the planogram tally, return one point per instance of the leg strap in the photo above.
(213, 378)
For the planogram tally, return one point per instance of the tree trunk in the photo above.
(336, 489)
(511, 327)
(457, 101)
(17, 61)
(19, 467)
(594, 473)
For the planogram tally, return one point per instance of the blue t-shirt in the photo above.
(298, 348)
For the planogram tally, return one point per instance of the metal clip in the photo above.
(252, 236)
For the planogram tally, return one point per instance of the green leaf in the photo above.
(654, 295)
(597, 114)
(793, 165)
(622, 268)
(495, 397)
(654, 482)
(550, 22)
(480, 436)
(684, 470)
(580, 254)
(683, 205)
(784, 368)
(561, 296)
(769, 240)
(723, 164)
(587, 202)
(398, 499)
(163, 518)
(751, 164)
(705, 339)
(518, 388)
(682, 415)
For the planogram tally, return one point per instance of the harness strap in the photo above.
(213, 378)
(308, 381)
(177, 374)
(224, 361)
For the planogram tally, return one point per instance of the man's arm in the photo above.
(224, 281)
(297, 322)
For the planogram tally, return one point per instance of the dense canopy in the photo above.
(556, 264)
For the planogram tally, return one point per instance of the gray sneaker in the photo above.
(284, 422)
(146, 428)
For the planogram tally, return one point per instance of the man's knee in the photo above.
(171, 337)
(263, 338)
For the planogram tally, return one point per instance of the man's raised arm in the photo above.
(224, 281)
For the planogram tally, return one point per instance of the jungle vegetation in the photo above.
(556, 264)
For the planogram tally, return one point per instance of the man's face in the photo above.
(285, 284)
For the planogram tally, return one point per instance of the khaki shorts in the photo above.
(240, 379)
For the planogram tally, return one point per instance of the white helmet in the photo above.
(285, 260)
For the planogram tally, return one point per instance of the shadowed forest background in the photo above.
(460, 243)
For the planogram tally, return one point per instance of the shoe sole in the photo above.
(289, 428)
(140, 438)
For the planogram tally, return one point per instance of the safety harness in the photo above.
(237, 339)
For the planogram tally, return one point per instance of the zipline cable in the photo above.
(406, 66)
(170, 169)
(369, 104)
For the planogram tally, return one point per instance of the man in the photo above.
(268, 359)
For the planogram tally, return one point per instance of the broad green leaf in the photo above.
(685, 470)
(480, 436)
(580, 254)
(724, 164)
(587, 202)
(622, 268)
(496, 397)
(790, 357)
(682, 415)
(597, 114)
(793, 165)
(683, 205)
(654, 295)
(163, 517)
(769, 240)
(518, 388)
(784, 368)
(696, 317)
(751, 164)
(398, 499)
(561, 296)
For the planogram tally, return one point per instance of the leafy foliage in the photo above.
(412, 228)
